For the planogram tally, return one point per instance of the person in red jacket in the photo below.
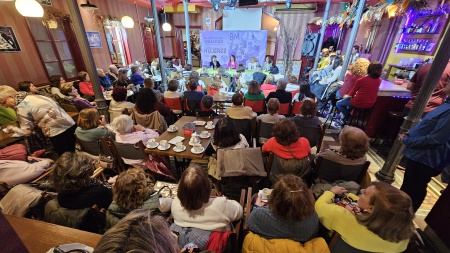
(365, 92)
(86, 85)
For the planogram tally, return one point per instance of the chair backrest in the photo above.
(244, 127)
(199, 88)
(265, 129)
(257, 106)
(206, 79)
(174, 103)
(338, 245)
(240, 162)
(153, 120)
(312, 133)
(296, 108)
(129, 151)
(331, 171)
(191, 106)
(90, 147)
(285, 109)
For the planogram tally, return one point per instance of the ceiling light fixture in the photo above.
(166, 26)
(88, 6)
(288, 4)
(232, 3)
(215, 4)
(127, 22)
(29, 8)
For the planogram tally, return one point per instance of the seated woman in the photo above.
(365, 92)
(304, 92)
(138, 232)
(136, 76)
(267, 63)
(123, 80)
(126, 132)
(130, 192)
(172, 92)
(289, 213)
(214, 64)
(178, 76)
(148, 83)
(254, 92)
(281, 93)
(292, 80)
(105, 82)
(269, 83)
(71, 93)
(146, 103)
(288, 145)
(92, 126)
(195, 76)
(86, 86)
(272, 108)
(118, 103)
(232, 63)
(315, 75)
(195, 214)
(237, 110)
(381, 221)
(354, 146)
(308, 124)
(18, 168)
(239, 79)
(358, 70)
(225, 137)
(319, 87)
(252, 64)
(193, 96)
(29, 87)
(55, 84)
(216, 85)
(71, 178)
(205, 110)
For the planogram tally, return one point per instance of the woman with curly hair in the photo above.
(71, 178)
(195, 76)
(358, 70)
(131, 191)
(216, 85)
(380, 221)
(354, 146)
(289, 213)
(287, 144)
(138, 232)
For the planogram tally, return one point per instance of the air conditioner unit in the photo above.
(296, 8)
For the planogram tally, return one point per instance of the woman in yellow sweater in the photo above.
(380, 222)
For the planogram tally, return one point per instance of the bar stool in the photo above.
(389, 133)
(358, 117)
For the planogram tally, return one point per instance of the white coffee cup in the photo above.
(265, 194)
(210, 123)
(198, 147)
(194, 139)
(151, 141)
(164, 204)
(204, 133)
(179, 145)
(172, 127)
(163, 143)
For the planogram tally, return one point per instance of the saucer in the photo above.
(175, 129)
(192, 144)
(205, 136)
(166, 148)
(199, 122)
(183, 148)
(153, 145)
(197, 152)
(210, 127)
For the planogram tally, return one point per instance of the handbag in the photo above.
(106, 161)
(158, 165)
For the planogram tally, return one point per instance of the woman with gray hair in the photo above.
(354, 146)
(71, 177)
(36, 111)
(281, 94)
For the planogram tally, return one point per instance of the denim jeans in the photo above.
(344, 106)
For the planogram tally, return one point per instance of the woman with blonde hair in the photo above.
(92, 126)
(381, 221)
(358, 70)
(288, 214)
(216, 85)
(177, 75)
(131, 191)
(252, 64)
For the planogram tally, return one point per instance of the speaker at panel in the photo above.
(310, 44)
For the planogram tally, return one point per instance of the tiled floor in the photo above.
(376, 163)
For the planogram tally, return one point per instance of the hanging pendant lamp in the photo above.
(127, 22)
(29, 8)
(166, 26)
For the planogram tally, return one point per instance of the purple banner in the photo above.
(242, 44)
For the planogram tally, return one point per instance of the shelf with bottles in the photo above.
(425, 25)
(416, 46)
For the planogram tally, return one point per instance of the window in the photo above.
(53, 47)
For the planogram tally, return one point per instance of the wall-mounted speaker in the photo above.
(310, 42)
(247, 2)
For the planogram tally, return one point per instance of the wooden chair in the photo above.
(95, 148)
(257, 106)
(246, 127)
(285, 109)
(331, 171)
(295, 110)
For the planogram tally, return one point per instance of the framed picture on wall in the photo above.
(45, 2)
(8, 40)
(94, 39)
